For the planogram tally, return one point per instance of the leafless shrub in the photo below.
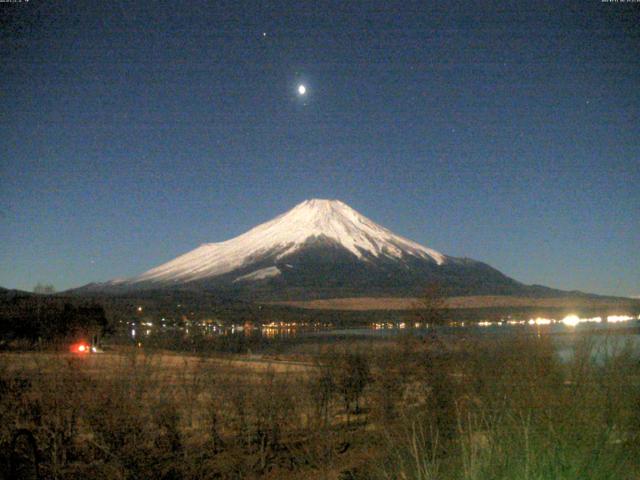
(484, 408)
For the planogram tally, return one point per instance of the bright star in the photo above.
(302, 89)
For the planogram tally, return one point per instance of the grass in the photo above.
(522, 415)
(414, 408)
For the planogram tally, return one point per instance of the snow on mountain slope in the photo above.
(286, 234)
(259, 274)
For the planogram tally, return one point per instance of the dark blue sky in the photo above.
(508, 132)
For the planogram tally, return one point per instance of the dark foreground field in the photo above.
(415, 408)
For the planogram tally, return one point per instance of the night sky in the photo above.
(508, 132)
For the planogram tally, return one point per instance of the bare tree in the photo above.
(45, 289)
(352, 377)
(431, 306)
(322, 387)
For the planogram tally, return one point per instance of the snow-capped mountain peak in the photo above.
(341, 223)
(286, 234)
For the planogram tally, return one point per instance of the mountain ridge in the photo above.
(283, 236)
(320, 249)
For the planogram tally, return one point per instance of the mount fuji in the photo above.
(319, 249)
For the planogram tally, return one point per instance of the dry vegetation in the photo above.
(415, 408)
(487, 301)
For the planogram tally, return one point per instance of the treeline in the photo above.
(37, 318)
(197, 306)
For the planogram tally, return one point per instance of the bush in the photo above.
(488, 408)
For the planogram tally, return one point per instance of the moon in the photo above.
(302, 89)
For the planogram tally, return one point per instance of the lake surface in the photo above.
(566, 326)
(605, 336)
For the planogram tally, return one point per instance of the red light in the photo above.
(81, 348)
